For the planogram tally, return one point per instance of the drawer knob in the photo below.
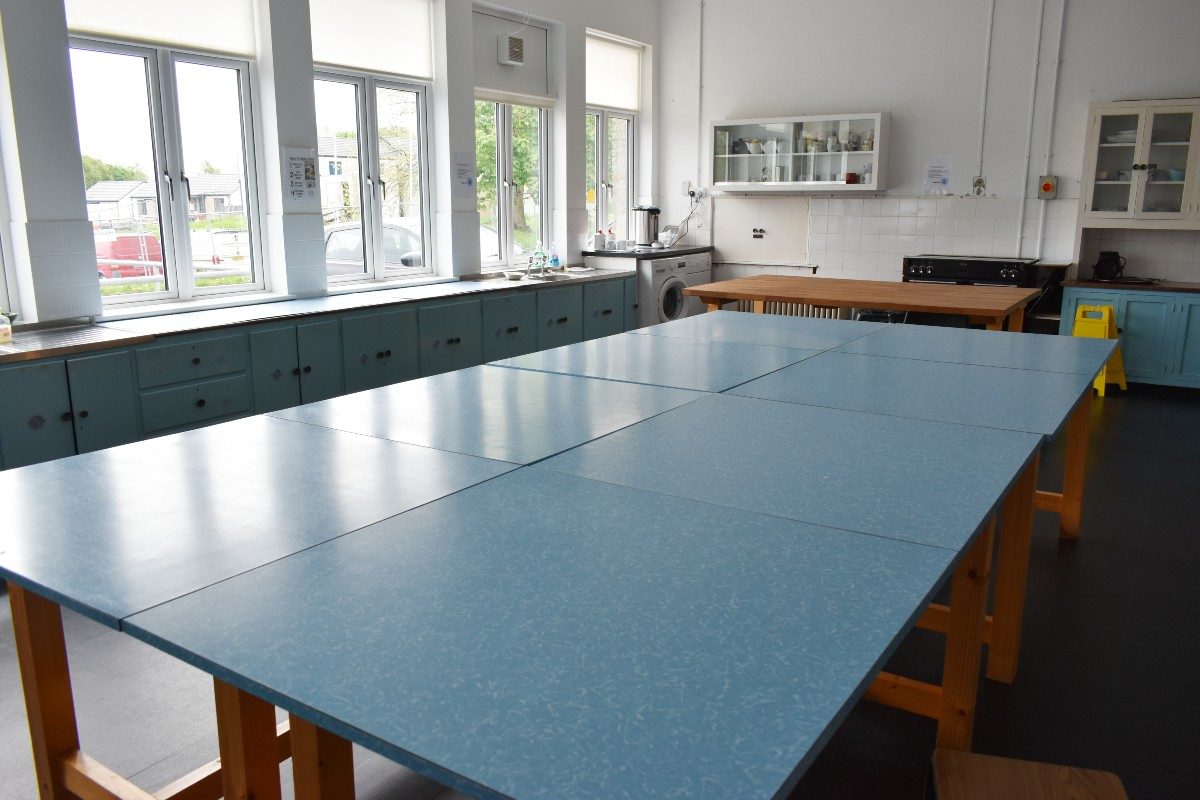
(277, 374)
(83, 414)
(387, 353)
(296, 371)
(36, 422)
(67, 416)
(201, 403)
(196, 361)
(307, 369)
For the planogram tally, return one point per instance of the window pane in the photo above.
(591, 169)
(214, 160)
(487, 186)
(527, 177)
(618, 175)
(112, 105)
(400, 172)
(338, 164)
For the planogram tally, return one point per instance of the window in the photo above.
(510, 153)
(168, 170)
(372, 132)
(609, 177)
(613, 74)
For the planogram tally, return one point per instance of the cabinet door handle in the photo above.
(514, 329)
(379, 354)
(562, 320)
(196, 361)
(83, 414)
(606, 312)
(307, 369)
(201, 403)
(277, 374)
(67, 416)
(296, 371)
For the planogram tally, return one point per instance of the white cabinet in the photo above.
(822, 153)
(1140, 165)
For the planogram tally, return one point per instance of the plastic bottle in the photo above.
(5, 328)
(555, 262)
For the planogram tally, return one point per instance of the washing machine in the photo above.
(661, 282)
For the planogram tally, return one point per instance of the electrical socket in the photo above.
(979, 185)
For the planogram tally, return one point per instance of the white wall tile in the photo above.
(854, 224)
(45, 238)
(887, 244)
(889, 207)
(818, 224)
(925, 226)
(49, 272)
(906, 245)
(945, 226)
(869, 243)
(871, 207)
(906, 226)
(944, 245)
(870, 226)
(926, 207)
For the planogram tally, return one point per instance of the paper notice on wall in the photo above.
(464, 175)
(300, 176)
(937, 176)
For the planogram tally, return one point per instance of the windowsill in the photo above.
(116, 313)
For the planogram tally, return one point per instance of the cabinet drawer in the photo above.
(197, 402)
(188, 361)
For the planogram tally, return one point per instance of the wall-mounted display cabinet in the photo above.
(1140, 165)
(821, 153)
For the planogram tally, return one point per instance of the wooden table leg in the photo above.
(758, 306)
(995, 323)
(964, 640)
(49, 703)
(1012, 572)
(1016, 320)
(1078, 435)
(322, 763)
(714, 306)
(246, 735)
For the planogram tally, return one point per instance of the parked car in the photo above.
(129, 247)
(401, 247)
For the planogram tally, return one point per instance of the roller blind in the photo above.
(613, 73)
(389, 36)
(226, 26)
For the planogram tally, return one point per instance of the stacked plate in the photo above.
(1122, 137)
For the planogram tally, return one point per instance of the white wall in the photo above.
(922, 61)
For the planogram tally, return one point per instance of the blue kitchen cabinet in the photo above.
(104, 400)
(560, 316)
(36, 422)
(1074, 298)
(1145, 320)
(379, 348)
(295, 364)
(451, 336)
(509, 325)
(603, 309)
(1186, 361)
(190, 358)
(631, 303)
(196, 403)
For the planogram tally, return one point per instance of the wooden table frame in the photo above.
(251, 744)
(995, 306)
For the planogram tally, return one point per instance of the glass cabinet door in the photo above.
(1164, 162)
(837, 151)
(822, 153)
(1112, 189)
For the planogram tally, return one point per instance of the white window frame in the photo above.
(370, 183)
(603, 188)
(504, 179)
(168, 158)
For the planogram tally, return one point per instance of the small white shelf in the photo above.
(1113, 183)
(1169, 144)
(1167, 183)
(1117, 144)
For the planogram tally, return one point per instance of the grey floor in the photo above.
(1107, 676)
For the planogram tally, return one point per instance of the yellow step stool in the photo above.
(1099, 322)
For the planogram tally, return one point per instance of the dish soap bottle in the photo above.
(555, 262)
(6, 327)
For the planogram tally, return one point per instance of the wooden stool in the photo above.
(971, 776)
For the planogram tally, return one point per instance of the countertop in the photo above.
(1161, 286)
(35, 343)
(646, 254)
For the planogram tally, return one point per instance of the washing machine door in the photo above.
(672, 304)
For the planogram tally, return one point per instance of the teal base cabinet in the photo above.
(631, 303)
(195, 403)
(35, 414)
(296, 364)
(509, 325)
(379, 348)
(603, 309)
(104, 402)
(1160, 331)
(560, 316)
(451, 336)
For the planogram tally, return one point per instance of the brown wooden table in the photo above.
(991, 305)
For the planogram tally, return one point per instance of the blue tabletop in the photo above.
(993, 397)
(987, 348)
(663, 361)
(120, 530)
(511, 415)
(544, 636)
(770, 329)
(919, 481)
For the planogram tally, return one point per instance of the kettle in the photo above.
(645, 225)
(1109, 266)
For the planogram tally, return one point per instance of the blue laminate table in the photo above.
(684, 363)
(548, 636)
(779, 331)
(520, 416)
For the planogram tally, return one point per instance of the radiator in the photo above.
(796, 310)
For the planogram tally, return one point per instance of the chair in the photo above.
(971, 776)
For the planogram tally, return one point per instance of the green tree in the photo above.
(95, 170)
(485, 161)
(526, 166)
(209, 168)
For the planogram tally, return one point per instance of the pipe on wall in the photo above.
(1062, 25)
(1037, 60)
(987, 69)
